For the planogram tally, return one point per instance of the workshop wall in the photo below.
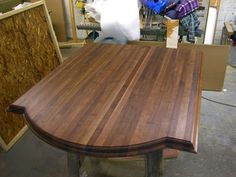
(227, 13)
(79, 18)
(57, 15)
(202, 18)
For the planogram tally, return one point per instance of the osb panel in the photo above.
(27, 54)
(57, 15)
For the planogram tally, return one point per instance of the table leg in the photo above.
(154, 164)
(73, 164)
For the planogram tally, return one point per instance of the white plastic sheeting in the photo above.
(211, 25)
(118, 18)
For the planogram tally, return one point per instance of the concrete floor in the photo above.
(31, 157)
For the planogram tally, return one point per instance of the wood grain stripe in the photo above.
(118, 100)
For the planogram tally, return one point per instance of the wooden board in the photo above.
(214, 3)
(118, 100)
(28, 51)
(57, 14)
(214, 62)
(5, 146)
(72, 21)
(229, 28)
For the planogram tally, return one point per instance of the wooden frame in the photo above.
(58, 18)
(214, 4)
(72, 21)
(70, 44)
(49, 22)
(6, 146)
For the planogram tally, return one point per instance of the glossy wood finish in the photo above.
(118, 100)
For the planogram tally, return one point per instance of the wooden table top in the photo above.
(118, 100)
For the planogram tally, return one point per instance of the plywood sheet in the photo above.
(27, 53)
(57, 14)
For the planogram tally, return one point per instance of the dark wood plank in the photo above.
(118, 100)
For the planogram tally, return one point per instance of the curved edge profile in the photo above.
(16, 109)
(103, 151)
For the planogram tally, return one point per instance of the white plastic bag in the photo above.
(121, 18)
(118, 18)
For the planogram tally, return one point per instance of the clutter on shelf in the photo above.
(184, 10)
(152, 16)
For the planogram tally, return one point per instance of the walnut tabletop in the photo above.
(118, 100)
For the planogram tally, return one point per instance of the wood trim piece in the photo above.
(70, 44)
(229, 28)
(214, 3)
(8, 146)
(72, 21)
(52, 32)
(14, 12)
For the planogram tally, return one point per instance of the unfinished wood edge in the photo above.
(195, 133)
(52, 32)
(70, 44)
(229, 28)
(17, 11)
(215, 3)
(5, 146)
(72, 20)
